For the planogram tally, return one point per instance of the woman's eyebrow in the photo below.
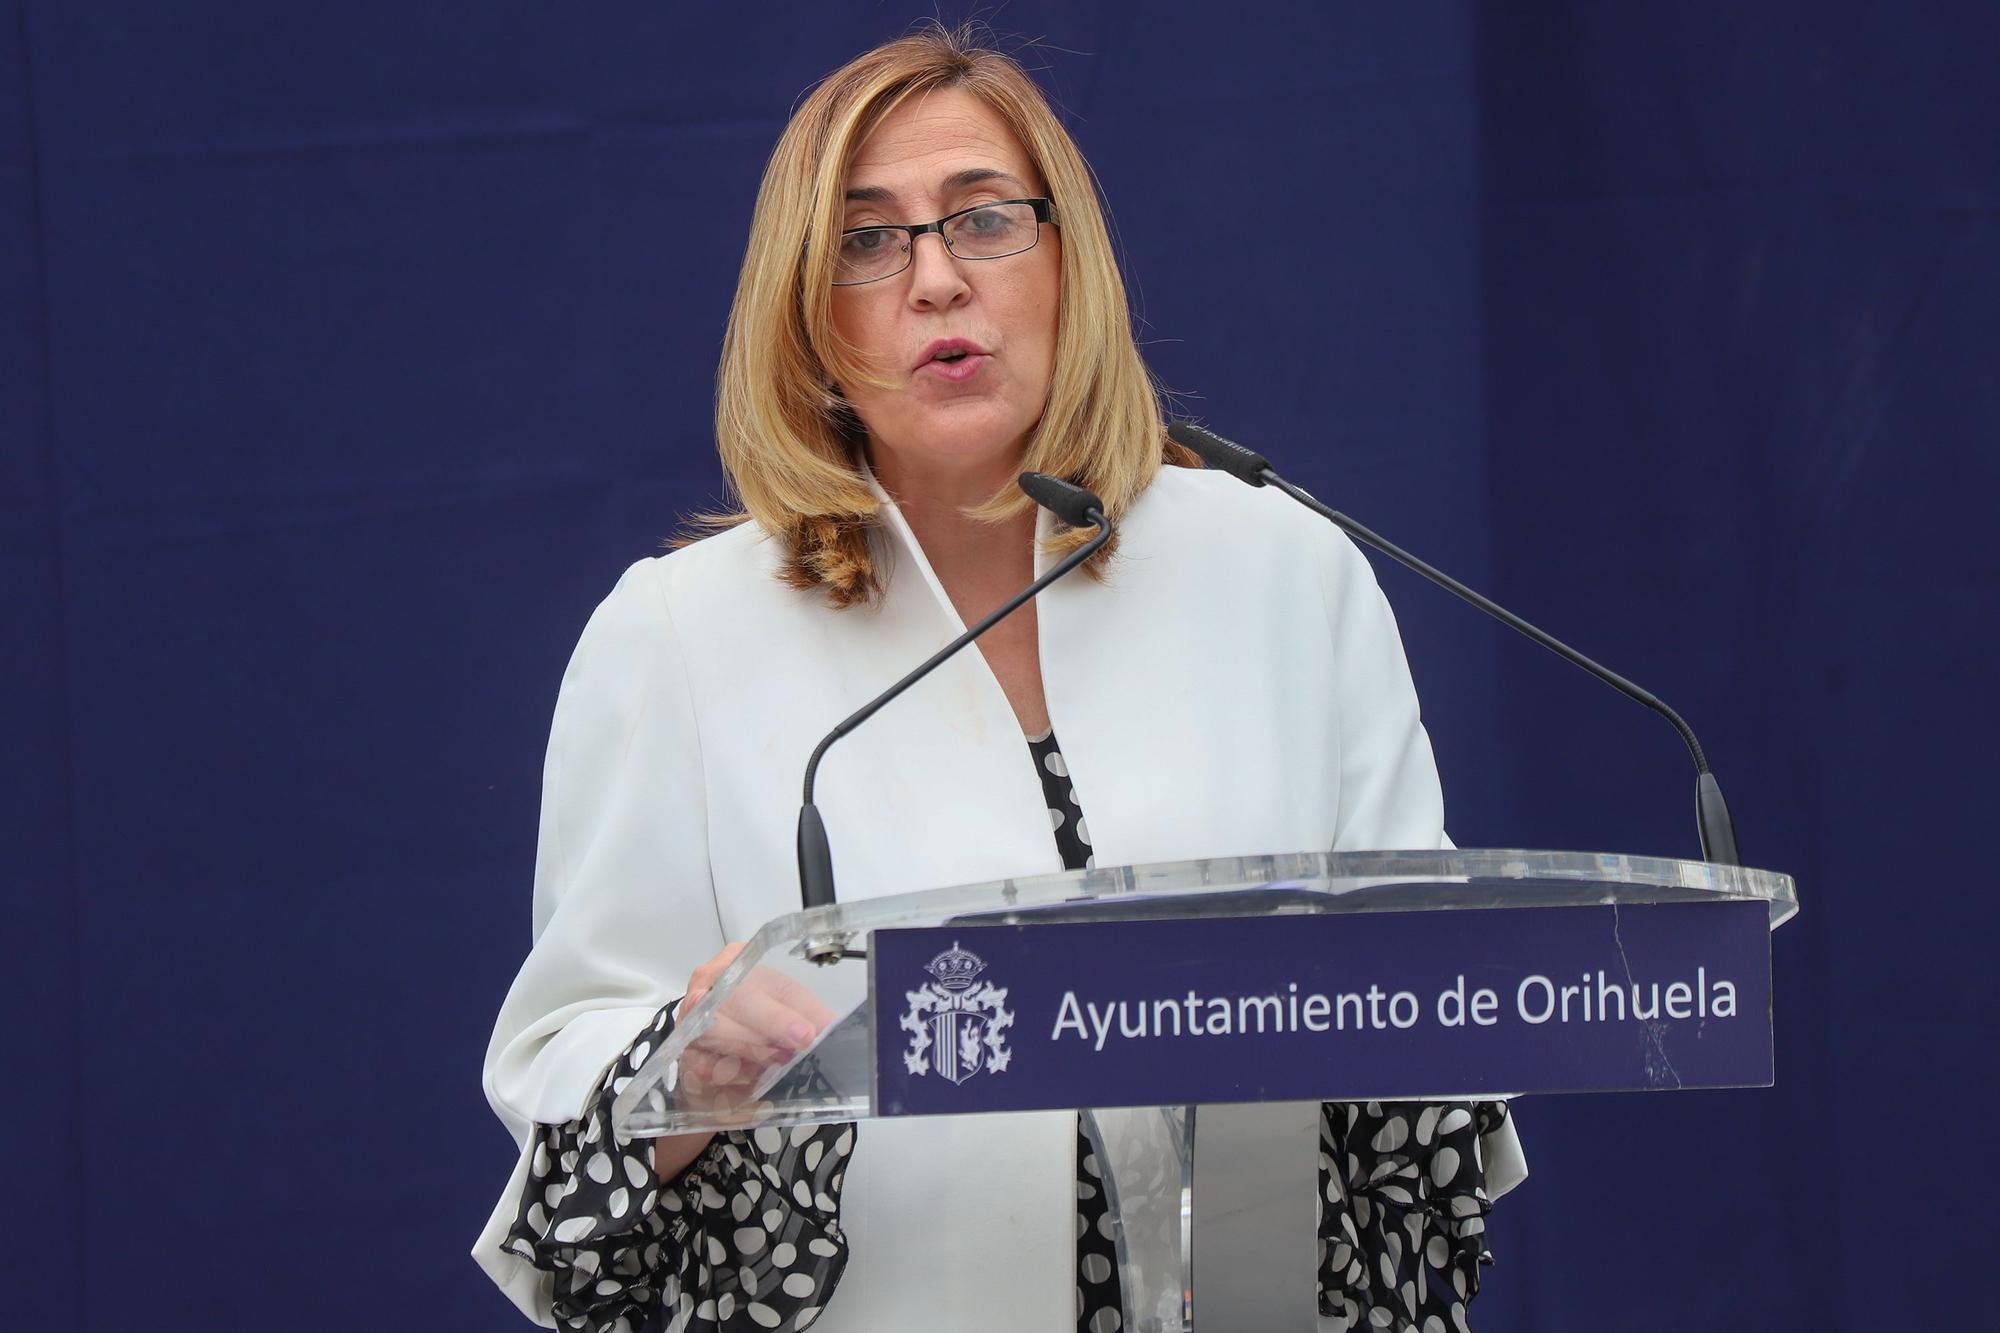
(958, 180)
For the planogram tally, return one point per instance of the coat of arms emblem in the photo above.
(957, 1023)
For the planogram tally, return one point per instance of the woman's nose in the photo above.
(937, 278)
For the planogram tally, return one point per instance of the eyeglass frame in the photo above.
(1045, 215)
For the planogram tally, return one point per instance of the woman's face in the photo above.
(961, 426)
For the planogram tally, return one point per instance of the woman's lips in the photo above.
(955, 371)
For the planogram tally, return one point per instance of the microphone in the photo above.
(1718, 835)
(1073, 505)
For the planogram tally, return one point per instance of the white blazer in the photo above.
(1235, 686)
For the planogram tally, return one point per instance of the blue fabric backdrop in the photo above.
(348, 353)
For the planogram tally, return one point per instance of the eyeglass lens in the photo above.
(991, 232)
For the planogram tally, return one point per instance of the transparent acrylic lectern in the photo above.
(1207, 1146)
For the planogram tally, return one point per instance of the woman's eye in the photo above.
(864, 242)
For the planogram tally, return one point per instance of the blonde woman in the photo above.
(929, 305)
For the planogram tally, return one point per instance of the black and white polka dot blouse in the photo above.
(748, 1238)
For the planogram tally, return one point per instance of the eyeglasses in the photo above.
(984, 231)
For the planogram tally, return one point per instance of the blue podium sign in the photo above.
(1321, 1006)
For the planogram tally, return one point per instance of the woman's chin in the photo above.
(961, 444)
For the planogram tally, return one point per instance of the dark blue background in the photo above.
(347, 353)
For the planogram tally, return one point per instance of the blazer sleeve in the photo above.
(624, 906)
(1390, 798)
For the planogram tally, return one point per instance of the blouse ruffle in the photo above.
(1402, 1212)
(745, 1240)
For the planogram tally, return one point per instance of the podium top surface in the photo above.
(1303, 882)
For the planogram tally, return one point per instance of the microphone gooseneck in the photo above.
(1718, 834)
(1071, 504)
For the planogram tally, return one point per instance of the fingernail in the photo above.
(799, 1032)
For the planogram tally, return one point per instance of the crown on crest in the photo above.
(955, 968)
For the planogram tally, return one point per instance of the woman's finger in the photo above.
(757, 1007)
(726, 1034)
(796, 996)
(704, 977)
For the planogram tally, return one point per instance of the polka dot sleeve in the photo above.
(1402, 1212)
(747, 1238)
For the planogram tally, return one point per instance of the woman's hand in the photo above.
(763, 1024)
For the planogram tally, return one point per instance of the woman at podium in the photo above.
(928, 306)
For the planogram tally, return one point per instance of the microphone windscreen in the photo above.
(1067, 501)
(1220, 454)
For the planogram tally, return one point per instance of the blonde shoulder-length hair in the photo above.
(791, 446)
